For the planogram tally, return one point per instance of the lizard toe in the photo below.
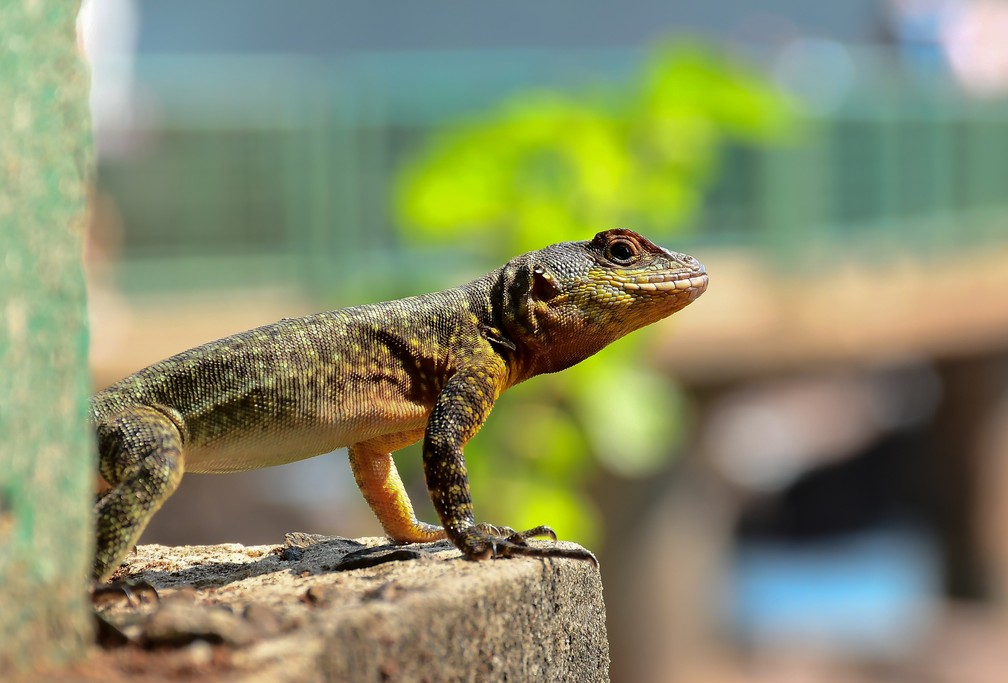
(484, 541)
(135, 593)
(520, 537)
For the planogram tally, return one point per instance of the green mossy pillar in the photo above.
(45, 450)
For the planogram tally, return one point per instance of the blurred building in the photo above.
(318, 27)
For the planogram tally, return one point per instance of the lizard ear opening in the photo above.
(544, 285)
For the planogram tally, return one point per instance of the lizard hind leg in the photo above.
(140, 456)
(382, 488)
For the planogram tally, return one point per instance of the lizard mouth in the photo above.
(694, 280)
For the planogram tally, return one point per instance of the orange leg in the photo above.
(379, 482)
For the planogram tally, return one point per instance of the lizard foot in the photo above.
(484, 541)
(135, 593)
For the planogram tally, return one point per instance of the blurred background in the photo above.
(801, 477)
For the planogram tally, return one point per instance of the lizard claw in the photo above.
(135, 593)
(521, 536)
(517, 537)
(484, 541)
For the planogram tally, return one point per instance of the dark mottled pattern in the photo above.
(375, 378)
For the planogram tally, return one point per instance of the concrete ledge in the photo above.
(301, 611)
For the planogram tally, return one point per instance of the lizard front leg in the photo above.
(460, 410)
(382, 488)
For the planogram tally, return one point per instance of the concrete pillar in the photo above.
(46, 462)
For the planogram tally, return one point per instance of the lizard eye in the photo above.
(622, 251)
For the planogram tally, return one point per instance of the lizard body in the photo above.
(376, 378)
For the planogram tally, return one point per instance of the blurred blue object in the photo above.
(865, 595)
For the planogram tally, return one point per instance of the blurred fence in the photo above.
(284, 167)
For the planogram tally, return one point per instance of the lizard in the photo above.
(375, 378)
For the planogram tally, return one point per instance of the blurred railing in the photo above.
(283, 167)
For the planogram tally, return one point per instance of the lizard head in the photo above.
(571, 299)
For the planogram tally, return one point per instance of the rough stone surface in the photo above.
(46, 468)
(300, 612)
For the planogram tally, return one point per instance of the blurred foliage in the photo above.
(545, 167)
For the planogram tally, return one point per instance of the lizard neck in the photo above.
(541, 343)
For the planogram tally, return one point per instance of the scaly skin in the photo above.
(376, 378)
